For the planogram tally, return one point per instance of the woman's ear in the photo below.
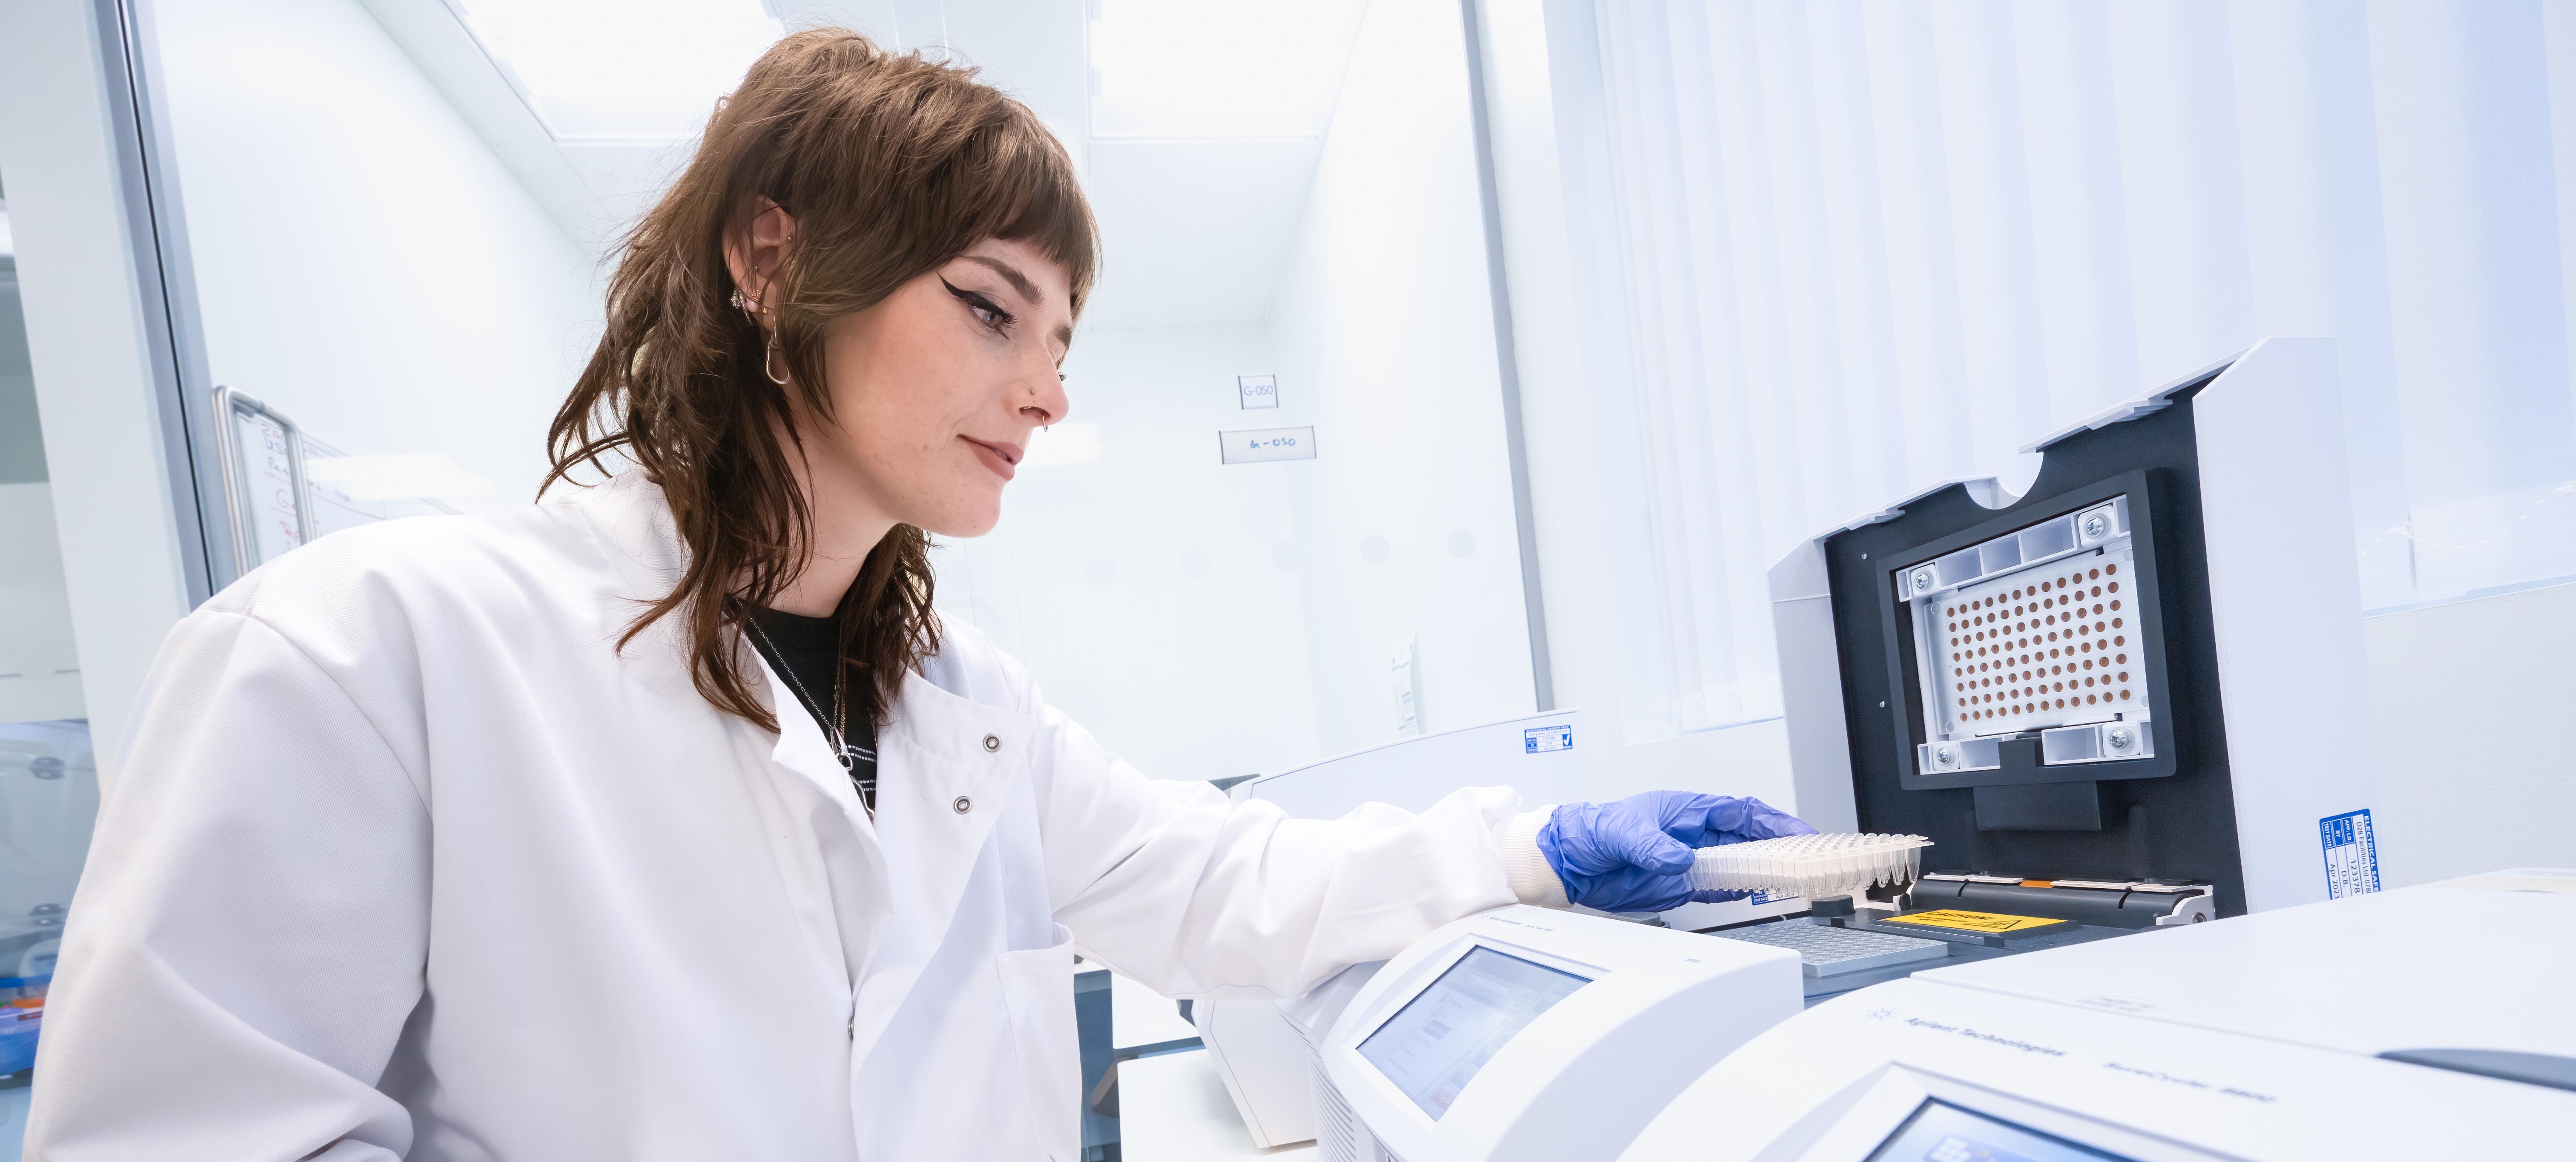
(753, 252)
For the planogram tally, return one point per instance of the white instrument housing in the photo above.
(1526, 1033)
(2285, 1034)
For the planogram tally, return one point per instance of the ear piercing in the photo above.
(767, 356)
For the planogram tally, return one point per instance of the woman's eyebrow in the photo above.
(1019, 282)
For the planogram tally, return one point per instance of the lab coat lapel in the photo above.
(946, 767)
(632, 523)
(803, 749)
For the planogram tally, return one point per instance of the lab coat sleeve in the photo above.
(249, 936)
(1192, 894)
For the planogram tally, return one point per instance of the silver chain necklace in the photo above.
(840, 706)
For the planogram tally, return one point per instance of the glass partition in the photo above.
(48, 777)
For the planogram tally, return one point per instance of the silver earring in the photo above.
(765, 357)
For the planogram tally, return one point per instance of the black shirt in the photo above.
(806, 652)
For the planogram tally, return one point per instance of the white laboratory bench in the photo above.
(1173, 1108)
(1140, 1016)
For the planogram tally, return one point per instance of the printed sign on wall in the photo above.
(1258, 445)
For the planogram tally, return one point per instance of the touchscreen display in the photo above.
(1940, 1132)
(1433, 1047)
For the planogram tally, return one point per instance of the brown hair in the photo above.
(891, 165)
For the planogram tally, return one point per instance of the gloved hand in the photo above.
(1631, 856)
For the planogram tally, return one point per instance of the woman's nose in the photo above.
(1047, 402)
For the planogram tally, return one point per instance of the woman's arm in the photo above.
(249, 935)
(1190, 893)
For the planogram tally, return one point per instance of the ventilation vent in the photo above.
(1338, 1136)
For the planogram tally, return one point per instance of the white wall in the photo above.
(1144, 590)
(364, 262)
(2473, 704)
(1567, 347)
(1209, 620)
(1384, 329)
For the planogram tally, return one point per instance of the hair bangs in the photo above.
(1047, 209)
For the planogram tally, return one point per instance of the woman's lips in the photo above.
(998, 457)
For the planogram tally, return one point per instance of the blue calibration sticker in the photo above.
(2352, 854)
(1540, 740)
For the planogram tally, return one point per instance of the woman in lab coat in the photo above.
(664, 819)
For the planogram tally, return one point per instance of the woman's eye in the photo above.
(986, 312)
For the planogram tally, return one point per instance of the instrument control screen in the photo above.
(1438, 1042)
(1941, 1132)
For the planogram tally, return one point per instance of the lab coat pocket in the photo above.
(1037, 985)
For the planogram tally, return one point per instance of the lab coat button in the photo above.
(992, 742)
(963, 804)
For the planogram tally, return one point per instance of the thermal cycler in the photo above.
(1482, 1038)
(1450, 999)
(2123, 703)
(2129, 698)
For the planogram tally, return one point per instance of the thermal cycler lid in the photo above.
(2035, 682)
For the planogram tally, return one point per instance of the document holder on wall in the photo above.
(265, 495)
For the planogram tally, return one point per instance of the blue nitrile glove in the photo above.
(1631, 856)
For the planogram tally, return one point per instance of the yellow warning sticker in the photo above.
(1972, 921)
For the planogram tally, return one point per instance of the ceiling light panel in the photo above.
(1219, 68)
(621, 70)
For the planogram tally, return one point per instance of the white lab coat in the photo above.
(406, 859)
